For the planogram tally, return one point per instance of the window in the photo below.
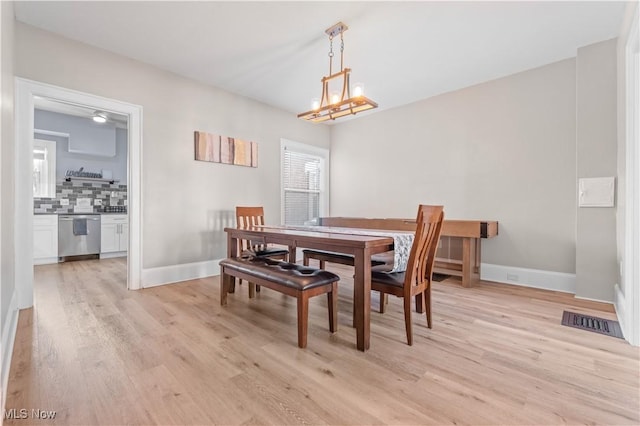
(44, 168)
(304, 183)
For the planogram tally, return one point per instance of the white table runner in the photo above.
(402, 241)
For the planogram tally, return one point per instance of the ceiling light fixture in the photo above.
(99, 117)
(336, 100)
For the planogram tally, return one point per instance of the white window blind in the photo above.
(302, 180)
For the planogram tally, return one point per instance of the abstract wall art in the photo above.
(223, 149)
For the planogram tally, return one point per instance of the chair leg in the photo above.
(407, 319)
(332, 302)
(305, 260)
(321, 264)
(419, 303)
(303, 319)
(383, 301)
(257, 288)
(427, 297)
(232, 285)
(252, 290)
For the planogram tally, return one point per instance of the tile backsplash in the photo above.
(109, 194)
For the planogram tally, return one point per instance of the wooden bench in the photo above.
(465, 233)
(294, 280)
(379, 262)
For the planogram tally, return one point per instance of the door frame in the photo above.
(631, 262)
(25, 91)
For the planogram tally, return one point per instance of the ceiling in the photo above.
(119, 120)
(276, 52)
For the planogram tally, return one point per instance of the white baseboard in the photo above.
(45, 260)
(619, 303)
(591, 299)
(175, 273)
(113, 254)
(8, 338)
(536, 278)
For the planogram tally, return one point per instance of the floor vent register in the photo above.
(595, 324)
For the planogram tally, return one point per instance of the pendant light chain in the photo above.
(341, 51)
(330, 54)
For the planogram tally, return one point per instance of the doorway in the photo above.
(87, 183)
(27, 93)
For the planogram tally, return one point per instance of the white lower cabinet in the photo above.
(45, 239)
(114, 235)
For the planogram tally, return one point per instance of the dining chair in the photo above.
(416, 280)
(254, 216)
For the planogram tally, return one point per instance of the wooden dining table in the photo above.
(360, 246)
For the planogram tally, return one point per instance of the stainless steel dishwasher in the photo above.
(78, 234)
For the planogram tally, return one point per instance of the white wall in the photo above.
(186, 202)
(8, 303)
(596, 142)
(502, 150)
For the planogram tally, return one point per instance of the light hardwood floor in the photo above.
(99, 354)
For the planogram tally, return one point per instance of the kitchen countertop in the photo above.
(72, 213)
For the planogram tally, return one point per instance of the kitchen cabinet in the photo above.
(114, 235)
(45, 239)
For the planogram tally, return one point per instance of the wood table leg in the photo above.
(292, 254)
(362, 298)
(470, 262)
(475, 268)
(466, 262)
(232, 251)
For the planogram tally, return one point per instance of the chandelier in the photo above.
(337, 100)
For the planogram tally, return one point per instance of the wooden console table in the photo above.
(470, 233)
(467, 233)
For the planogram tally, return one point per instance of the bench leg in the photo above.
(332, 302)
(383, 301)
(224, 287)
(252, 290)
(303, 319)
(305, 260)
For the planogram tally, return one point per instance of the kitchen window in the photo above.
(44, 168)
(305, 179)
